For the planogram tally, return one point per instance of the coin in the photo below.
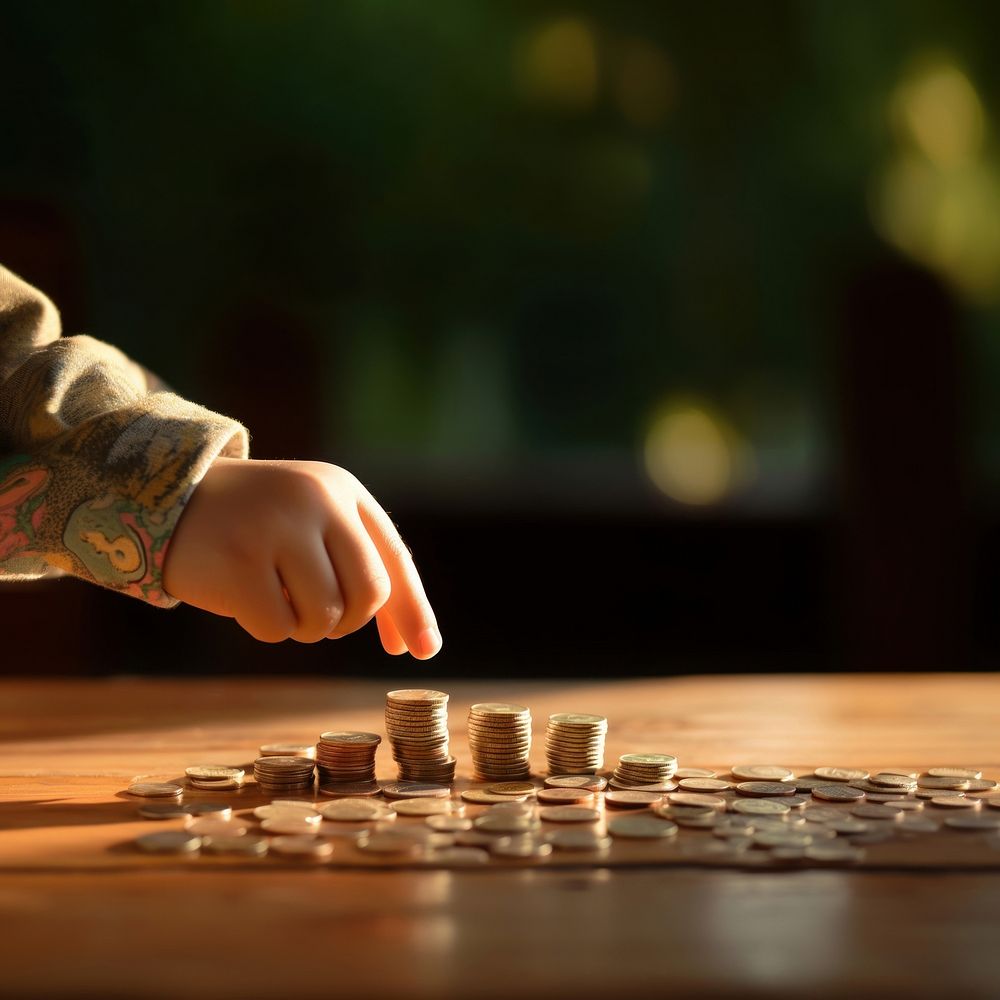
(591, 782)
(302, 846)
(641, 827)
(480, 796)
(287, 750)
(823, 814)
(981, 785)
(414, 790)
(210, 772)
(954, 772)
(512, 788)
(574, 743)
(460, 856)
(217, 809)
(416, 724)
(781, 838)
(643, 786)
(577, 838)
(834, 853)
(449, 823)
(569, 814)
(759, 807)
(349, 789)
(209, 826)
(565, 796)
(629, 799)
(849, 824)
(763, 789)
(710, 785)
(694, 772)
(882, 797)
(938, 781)
(890, 780)
(247, 846)
(907, 805)
(519, 847)
(993, 803)
(355, 810)
(417, 696)
(291, 823)
(841, 773)
(761, 772)
(422, 807)
(973, 821)
(955, 802)
(501, 822)
(499, 740)
(837, 793)
(867, 811)
(155, 790)
(169, 842)
(696, 799)
(919, 824)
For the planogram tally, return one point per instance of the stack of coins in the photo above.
(282, 775)
(416, 722)
(215, 777)
(344, 757)
(643, 769)
(287, 750)
(574, 743)
(500, 740)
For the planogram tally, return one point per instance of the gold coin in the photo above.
(706, 785)
(837, 793)
(155, 790)
(480, 796)
(415, 790)
(761, 772)
(641, 827)
(759, 807)
(422, 807)
(954, 772)
(591, 782)
(169, 842)
(955, 802)
(694, 772)
(694, 799)
(564, 796)
(302, 846)
(631, 799)
(578, 839)
(211, 772)
(512, 788)
(448, 822)
(569, 814)
(841, 773)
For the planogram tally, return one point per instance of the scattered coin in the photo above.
(981, 785)
(641, 827)
(887, 779)
(828, 853)
(518, 847)
(939, 781)
(631, 799)
(218, 809)
(883, 797)
(781, 838)
(209, 826)
(764, 789)
(386, 843)
(518, 788)
(907, 805)
(761, 772)
(837, 793)
(759, 807)
(660, 787)
(591, 782)
(868, 811)
(954, 772)
(973, 821)
(292, 823)
(694, 772)
(479, 796)
(848, 824)
(566, 796)
(461, 856)
(918, 824)
(572, 814)
(841, 773)
(247, 846)
(155, 790)
(357, 810)
(169, 842)
(414, 790)
(955, 802)
(449, 823)
(710, 785)
(505, 823)
(422, 807)
(302, 846)
(695, 799)
(578, 839)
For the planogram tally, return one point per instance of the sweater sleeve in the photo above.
(97, 460)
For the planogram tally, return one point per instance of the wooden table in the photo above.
(84, 916)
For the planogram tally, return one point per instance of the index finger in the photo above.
(407, 605)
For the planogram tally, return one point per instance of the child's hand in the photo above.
(297, 550)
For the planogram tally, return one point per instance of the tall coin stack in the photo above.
(346, 757)
(574, 743)
(643, 769)
(500, 740)
(416, 722)
(284, 775)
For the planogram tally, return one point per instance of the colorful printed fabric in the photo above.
(97, 460)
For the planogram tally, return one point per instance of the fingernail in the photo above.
(428, 642)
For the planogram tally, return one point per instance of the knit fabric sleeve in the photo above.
(97, 460)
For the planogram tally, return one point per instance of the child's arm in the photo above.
(97, 465)
(95, 469)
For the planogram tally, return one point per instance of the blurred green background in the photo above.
(495, 256)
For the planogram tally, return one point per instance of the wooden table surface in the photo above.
(81, 916)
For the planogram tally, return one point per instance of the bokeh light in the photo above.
(938, 197)
(693, 454)
(556, 65)
(645, 85)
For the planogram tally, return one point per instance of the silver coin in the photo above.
(218, 809)
(694, 772)
(254, 847)
(449, 823)
(169, 842)
(954, 772)
(154, 790)
(510, 847)
(888, 779)
(759, 807)
(761, 772)
(641, 827)
(841, 773)
(837, 793)
(571, 814)
(955, 802)
(578, 839)
(883, 812)
(763, 789)
(163, 810)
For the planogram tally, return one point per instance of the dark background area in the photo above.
(669, 334)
